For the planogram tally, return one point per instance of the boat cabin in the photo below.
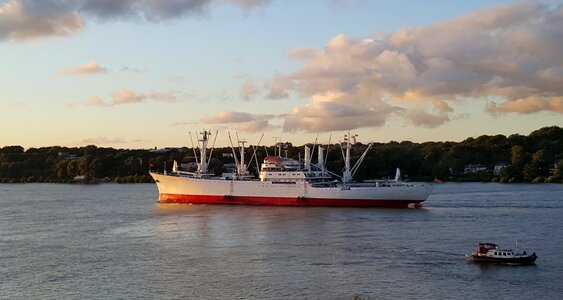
(492, 250)
(280, 169)
(483, 248)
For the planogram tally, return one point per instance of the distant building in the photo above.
(164, 150)
(474, 169)
(553, 168)
(68, 156)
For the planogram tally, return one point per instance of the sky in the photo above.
(145, 73)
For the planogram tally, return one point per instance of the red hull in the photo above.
(243, 200)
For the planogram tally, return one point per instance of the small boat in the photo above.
(491, 253)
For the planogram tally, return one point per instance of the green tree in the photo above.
(71, 169)
(95, 168)
(519, 156)
(61, 169)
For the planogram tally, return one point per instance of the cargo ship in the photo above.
(285, 181)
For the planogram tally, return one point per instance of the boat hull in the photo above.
(284, 201)
(522, 260)
(178, 189)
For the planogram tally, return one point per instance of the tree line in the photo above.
(537, 157)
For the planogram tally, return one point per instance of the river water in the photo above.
(116, 241)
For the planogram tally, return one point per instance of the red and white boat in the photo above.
(491, 253)
(285, 181)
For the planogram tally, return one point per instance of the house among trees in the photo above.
(554, 167)
(474, 169)
(68, 156)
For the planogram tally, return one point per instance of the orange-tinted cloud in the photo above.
(91, 67)
(126, 96)
(302, 53)
(528, 105)
(248, 90)
(510, 52)
(100, 140)
(242, 121)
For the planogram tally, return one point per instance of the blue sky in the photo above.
(140, 73)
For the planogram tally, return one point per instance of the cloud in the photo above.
(528, 105)
(423, 118)
(155, 10)
(335, 112)
(302, 53)
(254, 126)
(280, 87)
(510, 52)
(242, 121)
(226, 116)
(22, 20)
(29, 20)
(150, 10)
(100, 141)
(91, 67)
(134, 70)
(126, 96)
(95, 101)
(16, 104)
(249, 3)
(248, 90)
(179, 79)
(183, 123)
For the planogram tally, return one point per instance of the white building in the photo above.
(474, 169)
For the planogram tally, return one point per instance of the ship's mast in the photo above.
(203, 161)
(320, 162)
(349, 172)
(277, 145)
(347, 175)
(242, 166)
(202, 168)
(307, 159)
